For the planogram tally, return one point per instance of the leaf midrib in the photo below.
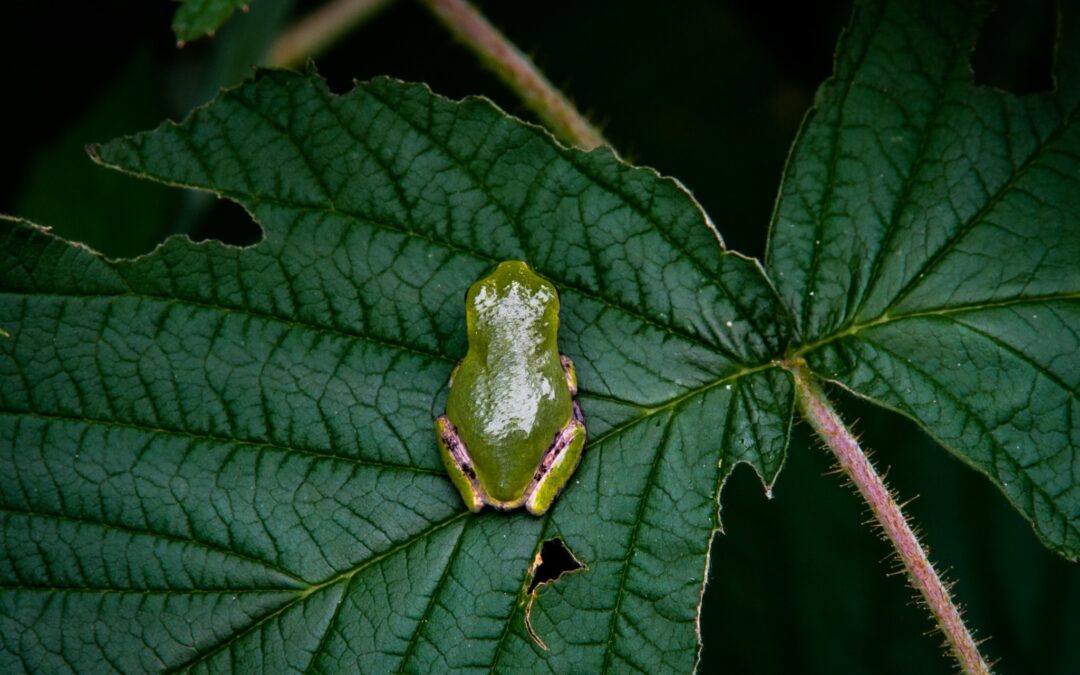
(834, 150)
(414, 639)
(241, 311)
(167, 536)
(302, 595)
(222, 439)
(903, 200)
(978, 217)
(797, 351)
(639, 518)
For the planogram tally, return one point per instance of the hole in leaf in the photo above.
(552, 561)
(1015, 50)
(225, 221)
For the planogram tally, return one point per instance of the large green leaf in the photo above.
(222, 457)
(927, 239)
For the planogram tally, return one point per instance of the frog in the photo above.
(513, 432)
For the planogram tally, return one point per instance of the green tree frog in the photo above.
(513, 432)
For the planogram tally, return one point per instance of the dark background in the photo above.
(711, 93)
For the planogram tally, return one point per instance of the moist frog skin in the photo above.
(513, 432)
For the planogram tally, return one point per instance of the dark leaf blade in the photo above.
(292, 384)
(927, 238)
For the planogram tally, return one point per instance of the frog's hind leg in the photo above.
(571, 373)
(557, 465)
(458, 465)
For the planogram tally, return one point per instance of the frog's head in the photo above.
(512, 308)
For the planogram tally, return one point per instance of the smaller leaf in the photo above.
(926, 239)
(196, 18)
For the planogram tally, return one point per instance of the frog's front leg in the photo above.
(455, 458)
(558, 463)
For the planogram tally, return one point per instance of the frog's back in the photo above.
(510, 396)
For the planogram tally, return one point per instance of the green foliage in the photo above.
(196, 18)
(222, 458)
(260, 419)
(927, 240)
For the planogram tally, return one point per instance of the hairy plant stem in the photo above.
(317, 31)
(817, 410)
(518, 72)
